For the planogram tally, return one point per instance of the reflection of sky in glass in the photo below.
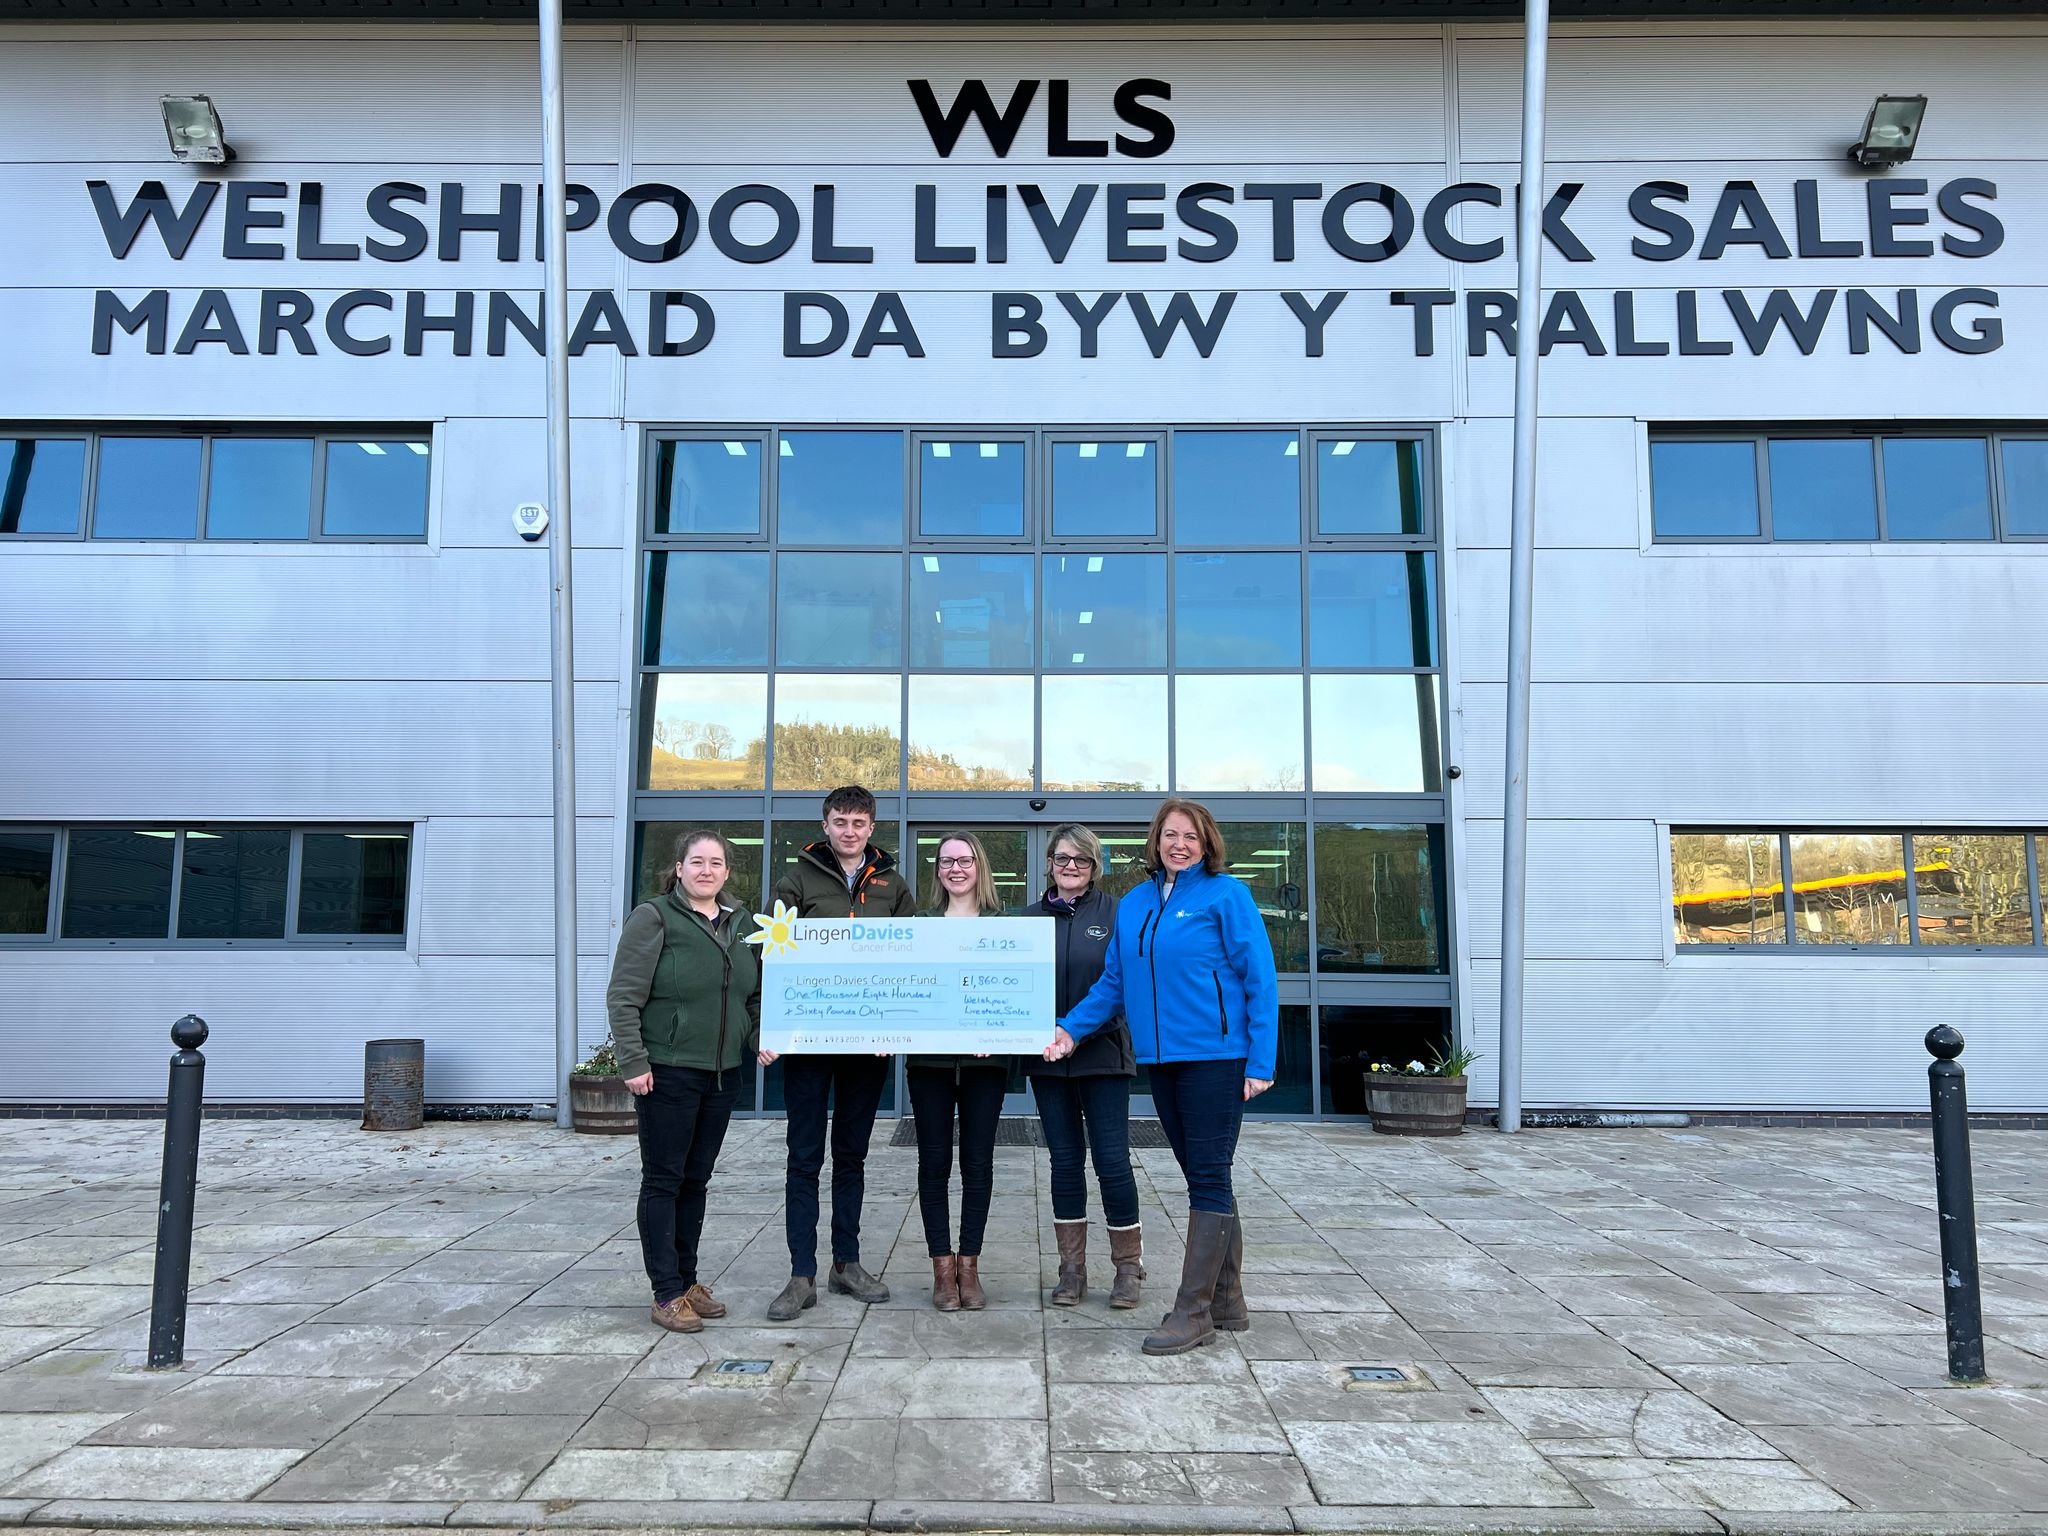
(148, 488)
(1368, 732)
(706, 731)
(969, 488)
(1237, 732)
(1375, 609)
(2026, 485)
(832, 730)
(839, 610)
(1103, 488)
(1236, 487)
(1823, 489)
(970, 732)
(840, 488)
(708, 488)
(46, 476)
(1367, 486)
(1237, 610)
(375, 490)
(707, 608)
(1937, 488)
(1105, 611)
(1105, 733)
(1704, 489)
(260, 488)
(970, 610)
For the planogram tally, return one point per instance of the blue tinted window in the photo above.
(260, 488)
(1237, 610)
(1105, 611)
(1236, 487)
(1368, 486)
(148, 488)
(117, 884)
(712, 487)
(707, 608)
(2026, 485)
(233, 886)
(1937, 488)
(970, 610)
(353, 884)
(376, 490)
(1372, 609)
(1823, 488)
(839, 610)
(968, 488)
(42, 484)
(1704, 490)
(1105, 489)
(840, 488)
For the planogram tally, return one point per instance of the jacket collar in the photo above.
(820, 853)
(1193, 875)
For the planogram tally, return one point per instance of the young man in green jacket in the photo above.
(841, 875)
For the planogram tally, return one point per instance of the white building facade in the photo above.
(1028, 422)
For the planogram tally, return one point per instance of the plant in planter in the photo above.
(599, 1104)
(1420, 1099)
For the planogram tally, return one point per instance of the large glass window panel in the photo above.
(1236, 487)
(260, 488)
(654, 855)
(1379, 898)
(1848, 888)
(234, 883)
(1377, 732)
(1009, 866)
(1271, 857)
(1105, 611)
(970, 610)
(1123, 856)
(353, 884)
(26, 862)
(1937, 488)
(1368, 486)
(2025, 462)
(376, 490)
(1704, 490)
(968, 487)
(1372, 609)
(1293, 1090)
(148, 488)
(840, 488)
(1971, 888)
(42, 484)
(706, 608)
(117, 883)
(1237, 610)
(839, 610)
(1727, 888)
(708, 487)
(835, 729)
(1104, 733)
(1823, 488)
(1105, 490)
(706, 730)
(1237, 733)
(970, 732)
(1353, 1038)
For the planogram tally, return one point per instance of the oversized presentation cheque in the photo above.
(921, 984)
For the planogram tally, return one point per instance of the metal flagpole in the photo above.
(555, 305)
(1522, 562)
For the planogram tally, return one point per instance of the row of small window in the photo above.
(1930, 890)
(720, 608)
(1377, 891)
(1372, 732)
(1809, 486)
(1222, 487)
(254, 485)
(205, 885)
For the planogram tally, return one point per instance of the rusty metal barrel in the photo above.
(394, 1084)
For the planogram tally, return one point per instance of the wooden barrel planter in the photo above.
(1415, 1106)
(601, 1106)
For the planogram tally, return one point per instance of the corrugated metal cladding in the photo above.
(1764, 686)
(1160, 12)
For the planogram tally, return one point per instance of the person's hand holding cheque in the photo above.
(1062, 1045)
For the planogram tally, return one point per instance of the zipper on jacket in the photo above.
(724, 993)
(1222, 1018)
(1152, 966)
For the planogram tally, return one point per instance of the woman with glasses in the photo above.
(1084, 1100)
(970, 1087)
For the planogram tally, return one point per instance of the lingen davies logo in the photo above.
(777, 935)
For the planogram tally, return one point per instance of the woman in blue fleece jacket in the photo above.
(1191, 970)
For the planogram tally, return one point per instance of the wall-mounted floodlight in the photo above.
(1890, 132)
(195, 130)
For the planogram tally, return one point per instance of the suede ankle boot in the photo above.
(946, 1283)
(1073, 1283)
(1127, 1253)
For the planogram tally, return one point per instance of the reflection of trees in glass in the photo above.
(813, 755)
(1727, 888)
(1271, 858)
(697, 754)
(1972, 888)
(1849, 888)
(941, 770)
(1377, 899)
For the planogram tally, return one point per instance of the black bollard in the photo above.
(1956, 1202)
(174, 1204)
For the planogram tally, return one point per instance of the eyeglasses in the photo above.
(965, 861)
(1073, 861)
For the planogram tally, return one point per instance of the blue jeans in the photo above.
(1201, 1107)
(1088, 1117)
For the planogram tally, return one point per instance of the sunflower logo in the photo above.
(778, 931)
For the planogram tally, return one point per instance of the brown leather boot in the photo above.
(1228, 1310)
(1127, 1252)
(1189, 1325)
(972, 1298)
(946, 1283)
(1073, 1284)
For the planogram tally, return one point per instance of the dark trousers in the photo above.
(851, 1087)
(682, 1126)
(936, 1094)
(1088, 1117)
(1201, 1108)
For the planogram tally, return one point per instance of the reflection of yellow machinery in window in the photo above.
(1866, 907)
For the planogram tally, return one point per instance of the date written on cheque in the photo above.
(985, 945)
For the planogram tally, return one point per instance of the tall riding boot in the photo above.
(1127, 1252)
(1228, 1311)
(1188, 1324)
(1073, 1282)
(946, 1283)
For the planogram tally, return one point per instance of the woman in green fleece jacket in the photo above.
(685, 1009)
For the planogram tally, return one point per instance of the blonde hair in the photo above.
(1082, 839)
(984, 879)
(1205, 828)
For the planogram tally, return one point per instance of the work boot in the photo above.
(1228, 1310)
(972, 1298)
(1127, 1253)
(676, 1316)
(849, 1279)
(702, 1302)
(1073, 1283)
(946, 1282)
(799, 1295)
(1189, 1325)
